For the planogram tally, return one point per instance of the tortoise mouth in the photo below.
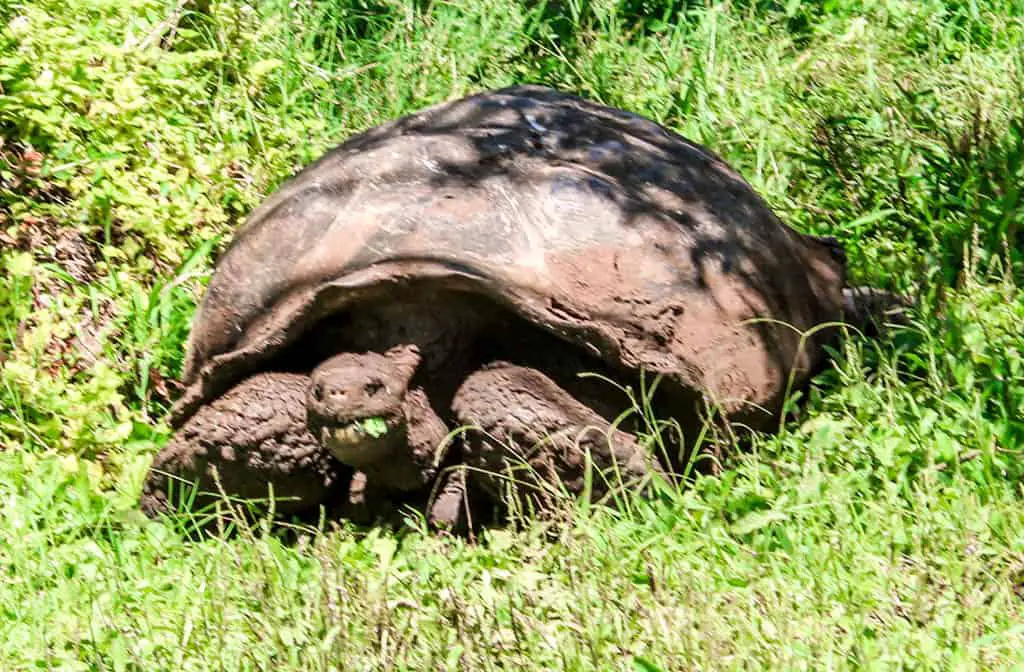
(360, 442)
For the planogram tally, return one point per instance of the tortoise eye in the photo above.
(373, 388)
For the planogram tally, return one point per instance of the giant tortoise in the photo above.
(425, 294)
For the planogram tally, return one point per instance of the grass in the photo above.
(882, 528)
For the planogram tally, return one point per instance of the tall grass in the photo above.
(880, 528)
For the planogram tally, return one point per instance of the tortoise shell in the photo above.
(595, 224)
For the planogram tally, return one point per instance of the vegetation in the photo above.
(881, 528)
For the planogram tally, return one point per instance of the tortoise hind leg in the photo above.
(249, 442)
(526, 431)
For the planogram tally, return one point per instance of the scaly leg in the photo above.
(252, 440)
(526, 431)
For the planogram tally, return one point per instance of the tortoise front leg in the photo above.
(448, 507)
(251, 442)
(526, 432)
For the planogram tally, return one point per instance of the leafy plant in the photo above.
(881, 527)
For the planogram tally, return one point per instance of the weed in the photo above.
(881, 528)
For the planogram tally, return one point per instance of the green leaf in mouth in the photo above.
(375, 427)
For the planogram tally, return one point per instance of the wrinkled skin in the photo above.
(528, 428)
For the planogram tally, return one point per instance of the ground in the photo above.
(880, 528)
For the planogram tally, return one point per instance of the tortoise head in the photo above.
(355, 404)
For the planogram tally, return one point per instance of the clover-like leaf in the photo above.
(375, 427)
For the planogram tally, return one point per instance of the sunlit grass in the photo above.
(880, 528)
